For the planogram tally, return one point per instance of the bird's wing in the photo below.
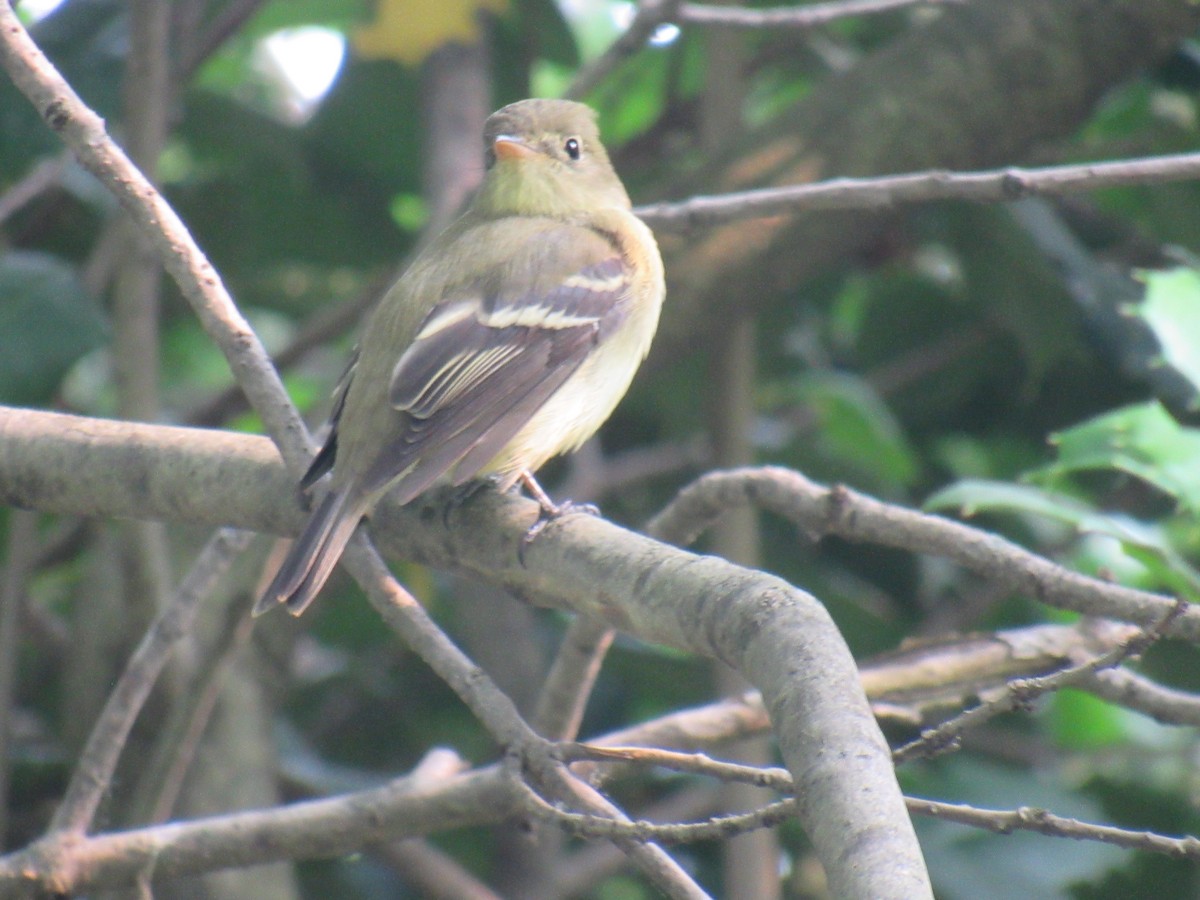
(484, 362)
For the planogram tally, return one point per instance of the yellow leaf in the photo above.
(409, 30)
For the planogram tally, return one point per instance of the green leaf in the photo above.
(47, 322)
(259, 194)
(972, 496)
(1148, 552)
(88, 42)
(1141, 440)
(234, 69)
(1172, 311)
(857, 427)
(1081, 721)
(542, 25)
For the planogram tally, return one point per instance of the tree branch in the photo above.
(996, 186)
(790, 16)
(822, 511)
(70, 864)
(887, 114)
(98, 760)
(780, 638)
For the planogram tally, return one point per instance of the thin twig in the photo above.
(496, 711)
(701, 726)
(715, 829)
(691, 763)
(994, 186)
(572, 676)
(1021, 692)
(98, 761)
(576, 874)
(1027, 818)
(1001, 821)
(790, 16)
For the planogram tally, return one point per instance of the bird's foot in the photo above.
(550, 511)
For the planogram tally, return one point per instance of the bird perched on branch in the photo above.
(509, 340)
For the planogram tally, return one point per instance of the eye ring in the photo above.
(573, 148)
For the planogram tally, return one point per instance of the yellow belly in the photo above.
(577, 410)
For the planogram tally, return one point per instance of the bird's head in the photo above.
(544, 157)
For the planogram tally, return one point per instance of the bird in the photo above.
(509, 340)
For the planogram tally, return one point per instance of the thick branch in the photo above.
(780, 638)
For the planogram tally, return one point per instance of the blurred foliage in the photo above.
(1172, 298)
(47, 322)
(1024, 865)
(952, 366)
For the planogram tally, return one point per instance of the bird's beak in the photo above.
(505, 146)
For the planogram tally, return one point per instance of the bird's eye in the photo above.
(573, 148)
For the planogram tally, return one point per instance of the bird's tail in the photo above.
(314, 554)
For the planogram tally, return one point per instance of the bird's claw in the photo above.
(551, 514)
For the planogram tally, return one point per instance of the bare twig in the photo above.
(496, 711)
(692, 763)
(996, 186)
(577, 874)
(716, 828)
(701, 726)
(98, 761)
(931, 674)
(790, 16)
(947, 672)
(1030, 819)
(1000, 821)
(1021, 692)
(569, 683)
